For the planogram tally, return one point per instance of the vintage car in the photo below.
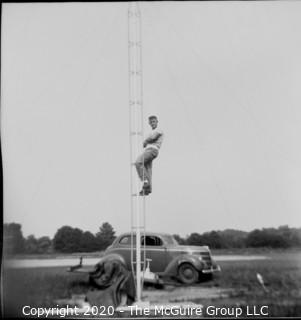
(166, 258)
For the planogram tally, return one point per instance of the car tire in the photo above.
(206, 277)
(187, 273)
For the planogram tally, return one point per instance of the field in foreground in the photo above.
(40, 287)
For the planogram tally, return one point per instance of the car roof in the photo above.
(147, 233)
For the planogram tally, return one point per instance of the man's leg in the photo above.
(144, 166)
(141, 163)
(148, 169)
(151, 155)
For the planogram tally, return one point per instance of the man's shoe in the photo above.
(147, 191)
(146, 185)
(144, 192)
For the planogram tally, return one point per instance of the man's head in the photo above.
(153, 121)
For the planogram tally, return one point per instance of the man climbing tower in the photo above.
(151, 147)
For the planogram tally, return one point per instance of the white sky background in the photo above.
(224, 79)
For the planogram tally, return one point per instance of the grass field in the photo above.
(40, 287)
(282, 274)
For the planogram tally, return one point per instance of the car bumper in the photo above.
(213, 269)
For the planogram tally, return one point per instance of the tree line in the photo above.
(69, 240)
(66, 240)
(281, 237)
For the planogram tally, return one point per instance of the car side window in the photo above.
(152, 241)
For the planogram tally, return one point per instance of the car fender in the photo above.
(172, 268)
(111, 257)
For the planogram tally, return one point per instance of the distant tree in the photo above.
(67, 239)
(256, 239)
(194, 239)
(213, 239)
(179, 239)
(31, 244)
(270, 237)
(292, 236)
(88, 242)
(41, 245)
(105, 236)
(233, 238)
(44, 245)
(13, 240)
(295, 237)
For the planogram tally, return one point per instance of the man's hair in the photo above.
(152, 117)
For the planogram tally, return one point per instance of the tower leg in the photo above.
(136, 135)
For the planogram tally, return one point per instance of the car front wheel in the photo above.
(187, 273)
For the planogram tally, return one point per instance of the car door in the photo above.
(123, 248)
(156, 252)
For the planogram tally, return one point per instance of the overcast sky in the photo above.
(224, 79)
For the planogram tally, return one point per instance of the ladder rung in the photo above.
(134, 72)
(134, 43)
(134, 14)
(135, 102)
(136, 133)
(135, 195)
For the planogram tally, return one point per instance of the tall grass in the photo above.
(39, 287)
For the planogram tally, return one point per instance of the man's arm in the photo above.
(152, 138)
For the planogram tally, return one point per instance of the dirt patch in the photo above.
(182, 294)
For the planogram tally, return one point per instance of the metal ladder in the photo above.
(138, 257)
